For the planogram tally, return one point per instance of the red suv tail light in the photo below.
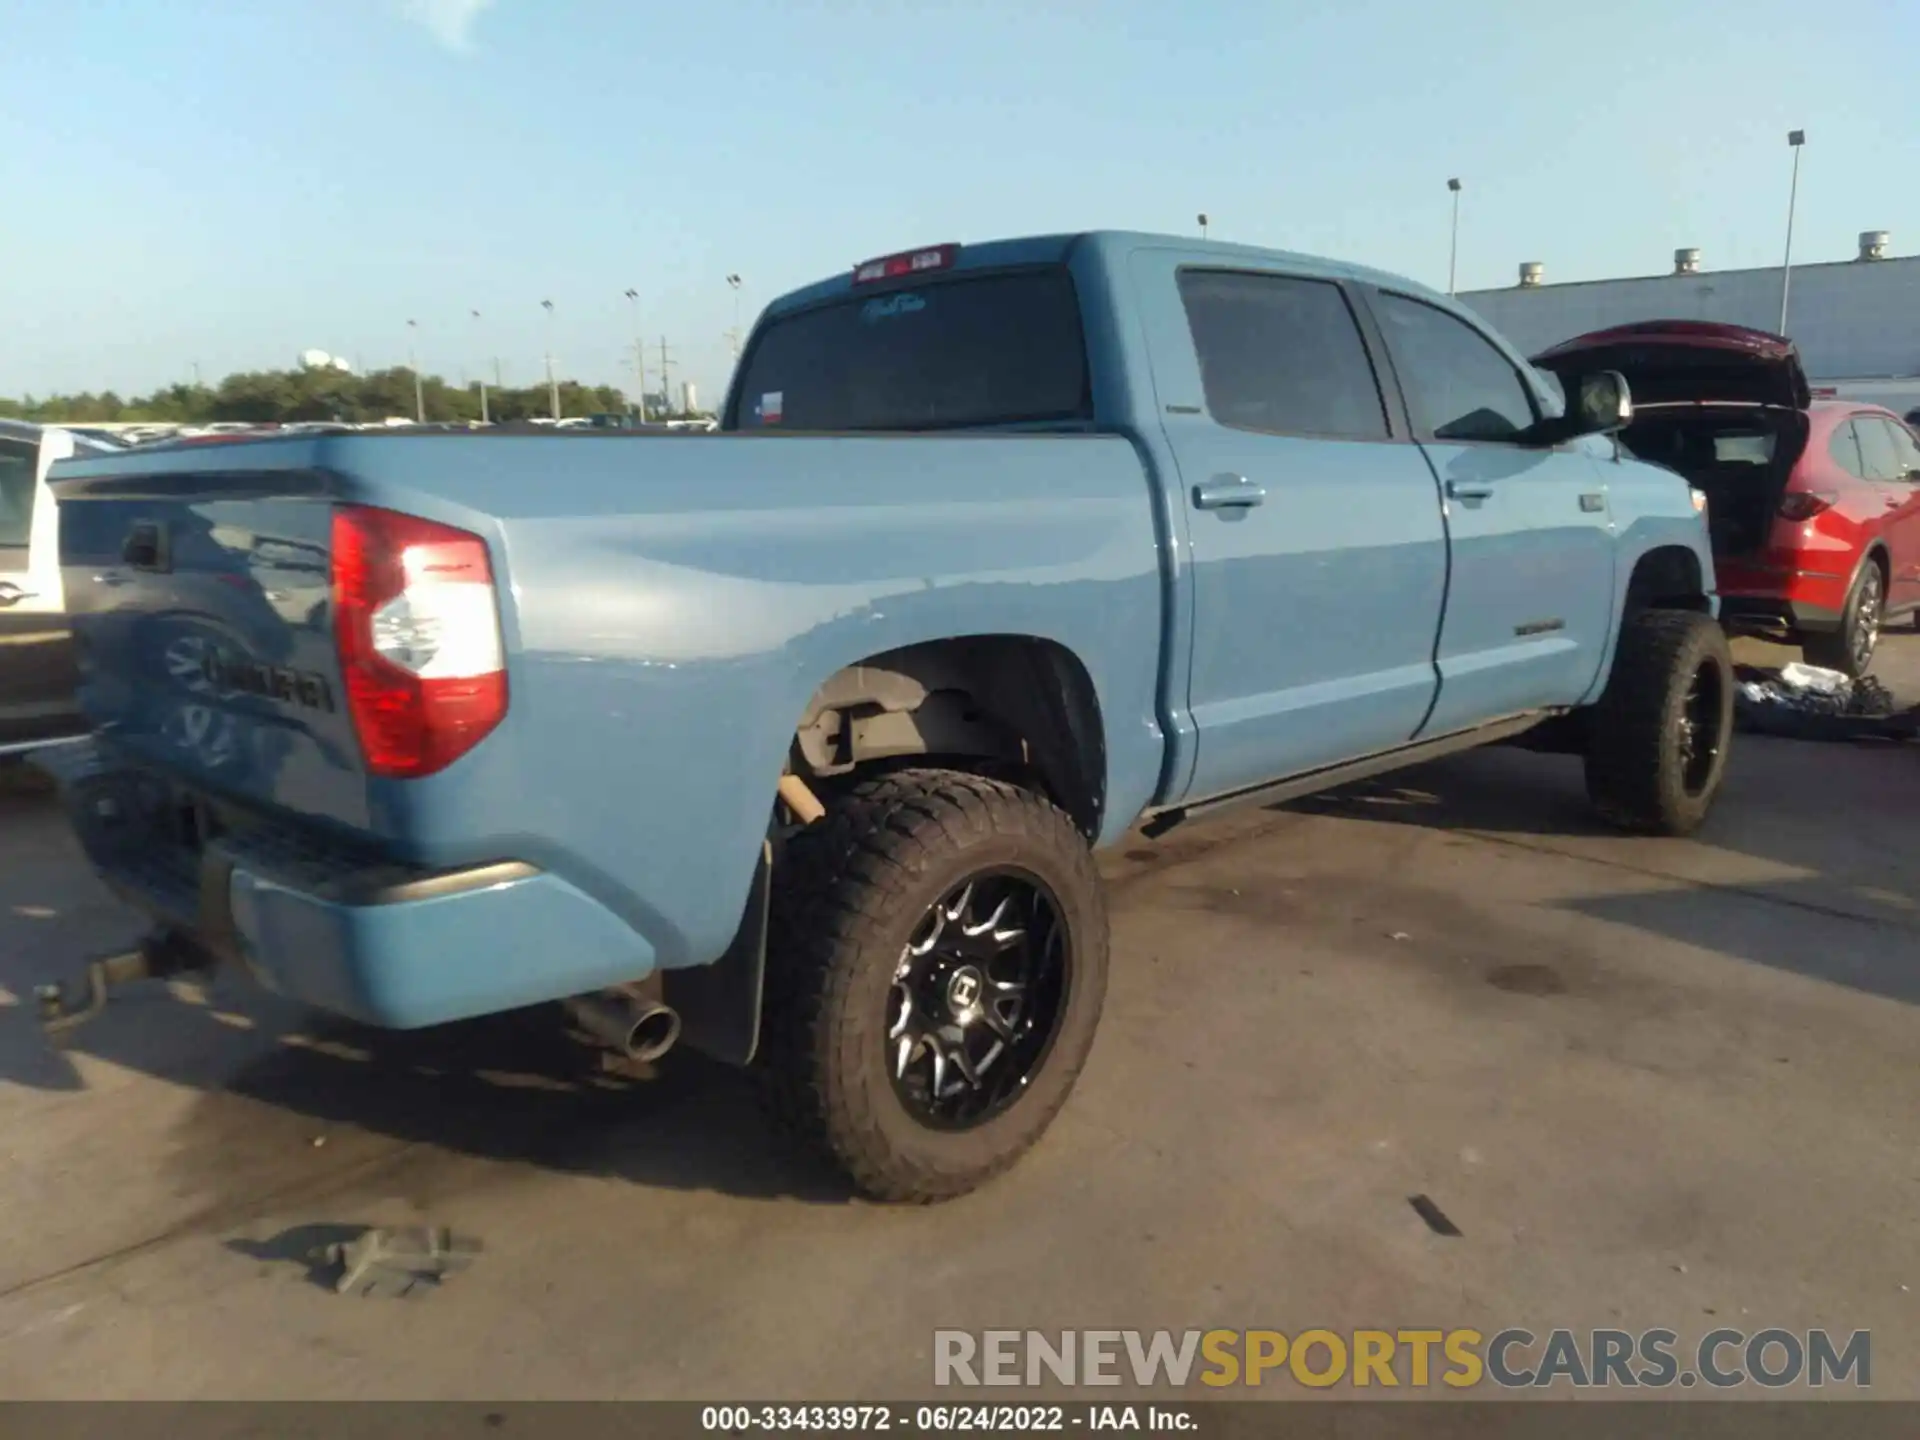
(418, 633)
(1805, 504)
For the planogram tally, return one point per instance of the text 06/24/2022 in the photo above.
(921, 1419)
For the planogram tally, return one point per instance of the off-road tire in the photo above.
(849, 892)
(1839, 649)
(1636, 764)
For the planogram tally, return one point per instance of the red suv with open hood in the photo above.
(1813, 505)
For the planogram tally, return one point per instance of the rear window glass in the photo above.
(18, 461)
(1742, 449)
(998, 350)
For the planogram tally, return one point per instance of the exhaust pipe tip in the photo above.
(637, 1029)
(655, 1031)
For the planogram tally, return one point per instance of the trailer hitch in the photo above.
(156, 957)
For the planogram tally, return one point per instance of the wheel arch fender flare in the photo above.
(1049, 695)
(1662, 572)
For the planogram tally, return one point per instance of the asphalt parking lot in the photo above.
(1652, 1083)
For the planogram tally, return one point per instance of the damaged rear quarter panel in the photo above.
(670, 606)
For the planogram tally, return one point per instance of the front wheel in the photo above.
(1850, 648)
(1658, 738)
(936, 969)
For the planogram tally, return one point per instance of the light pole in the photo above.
(639, 355)
(413, 364)
(733, 284)
(1203, 224)
(553, 385)
(485, 419)
(1795, 139)
(1453, 245)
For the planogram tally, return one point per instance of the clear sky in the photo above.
(228, 182)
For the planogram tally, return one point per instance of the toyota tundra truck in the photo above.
(793, 746)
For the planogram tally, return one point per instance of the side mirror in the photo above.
(1605, 404)
(1601, 404)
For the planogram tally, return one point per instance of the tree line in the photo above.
(269, 396)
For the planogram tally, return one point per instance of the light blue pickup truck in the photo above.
(793, 744)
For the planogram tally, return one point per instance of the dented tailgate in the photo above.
(201, 608)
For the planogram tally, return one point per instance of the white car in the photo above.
(37, 677)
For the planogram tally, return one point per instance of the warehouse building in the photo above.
(1856, 322)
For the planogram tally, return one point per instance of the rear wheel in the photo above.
(937, 966)
(1850, 648)
(1658, 738)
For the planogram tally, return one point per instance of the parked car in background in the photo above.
(1813, 504)
(795, 741)
(89, 432)
(37, 676)
(223, 435)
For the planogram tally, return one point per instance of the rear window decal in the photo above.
(772, 406)
(905, 303)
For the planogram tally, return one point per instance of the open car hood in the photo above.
(1677, 361)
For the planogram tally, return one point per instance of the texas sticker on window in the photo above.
(772, 405)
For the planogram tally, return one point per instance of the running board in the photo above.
(1332, 776)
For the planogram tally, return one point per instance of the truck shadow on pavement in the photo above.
(288, 1094)
(273, 1077)
(515, 1089)
(1804, 866)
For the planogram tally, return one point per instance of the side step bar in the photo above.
(1332, 776)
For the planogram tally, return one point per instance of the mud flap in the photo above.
(719, 1004)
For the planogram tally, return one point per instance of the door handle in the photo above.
(12, 594)
(1227, 492)
(1469, 490)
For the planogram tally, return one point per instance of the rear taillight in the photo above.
(415, 621)
(1799, 505)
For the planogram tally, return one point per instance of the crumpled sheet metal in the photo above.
(1804, 703)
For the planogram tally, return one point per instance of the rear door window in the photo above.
(1906, 449)
(1844, 450)
(1458, 384)
(19, 465)
(1282, 354)
(997, 349)
(1879, 460)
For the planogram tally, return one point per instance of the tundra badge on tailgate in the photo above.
(252, 677)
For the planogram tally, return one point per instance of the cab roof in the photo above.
(1057, 249)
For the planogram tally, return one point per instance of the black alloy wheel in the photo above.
(976, 999)
(1701, 737)
(936, 968)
